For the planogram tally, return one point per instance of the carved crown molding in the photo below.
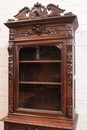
(38, 11)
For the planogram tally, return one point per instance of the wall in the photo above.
(8, 8)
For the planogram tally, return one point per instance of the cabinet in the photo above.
(41, 69)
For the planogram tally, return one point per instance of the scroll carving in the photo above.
(55, 10)
(39, 11)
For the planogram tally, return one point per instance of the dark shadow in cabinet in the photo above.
(40, 78)
(44, 97)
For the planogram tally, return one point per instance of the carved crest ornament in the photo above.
(39, 11)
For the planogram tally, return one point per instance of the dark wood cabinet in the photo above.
(41, 69)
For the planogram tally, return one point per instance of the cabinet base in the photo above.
(31, 123)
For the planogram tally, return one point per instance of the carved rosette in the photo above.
(10, 69)
(69, 78)
(38, 29)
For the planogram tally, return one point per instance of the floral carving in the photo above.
(39, 30)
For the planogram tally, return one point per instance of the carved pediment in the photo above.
(39, 11)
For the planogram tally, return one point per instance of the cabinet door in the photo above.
(39, 83)
(40, 78)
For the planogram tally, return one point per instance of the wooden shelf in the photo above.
(43, 83)
(39, 61)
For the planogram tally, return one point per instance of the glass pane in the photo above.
(39, 78)
(40, 52)
(44, 97)
(43, 72)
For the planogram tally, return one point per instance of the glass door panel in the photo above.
(40, 78)
(44, 97)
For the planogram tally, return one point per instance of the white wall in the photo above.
(8, 8)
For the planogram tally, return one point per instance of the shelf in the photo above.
(44, 83)
(40, 61)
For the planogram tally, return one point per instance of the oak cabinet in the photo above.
(41, 69)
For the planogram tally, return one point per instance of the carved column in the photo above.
(69, 79)
(10, 69)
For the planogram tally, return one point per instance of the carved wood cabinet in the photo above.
(41, 69)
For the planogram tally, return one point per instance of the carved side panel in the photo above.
(10, 70)
(69, 79)
(17, 126)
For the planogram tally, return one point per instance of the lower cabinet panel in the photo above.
(17, 126)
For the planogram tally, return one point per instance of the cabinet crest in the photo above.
(39, 11)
